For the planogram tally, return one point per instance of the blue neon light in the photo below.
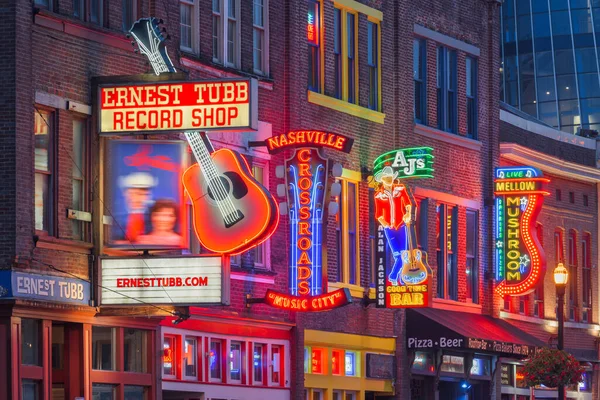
(294, 232)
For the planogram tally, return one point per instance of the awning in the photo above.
(429, 328)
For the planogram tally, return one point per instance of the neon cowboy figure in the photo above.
(392, 203)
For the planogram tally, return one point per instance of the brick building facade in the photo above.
(360, 84)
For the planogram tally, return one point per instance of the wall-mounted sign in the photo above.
(323, 302)
(232, 211)
(151, 42)
(416, 162)
(519, 257)
(21, 285)
(146, 197)
(407, 284)
(167, 106)
(296, 139)
(182, 281)
(312, 23)
(381, 366)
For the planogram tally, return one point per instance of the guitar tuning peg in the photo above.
(132, 43)
(160, 21)
(333, 208)
(128, 36)
(164, 29)
(281, 189)
(280, 171)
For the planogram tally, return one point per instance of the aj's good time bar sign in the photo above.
(519, 257)
(183, 281)
(167, 106)
(407, 284)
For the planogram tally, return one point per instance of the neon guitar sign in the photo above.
(519, 258)
(232, 212)
(151, 42)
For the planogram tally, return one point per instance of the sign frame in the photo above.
(51, 289)
(225, 280)
(155, 80)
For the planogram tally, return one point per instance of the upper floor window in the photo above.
(188, 24)
(337, 53)
(352, 88)
(347, 234)
(226, 32)
(572, 266)
(78, 175)
(447, 230)
(471, 92)
(472, 267)
(373, 64)
(129, 14)
(43, 3)
(260, 36)
(446, 90)
(261, 256)
(419, 75)
(92, 11)
(44, 170)
(586, 295)
(313, 25)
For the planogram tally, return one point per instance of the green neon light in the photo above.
(413, 162)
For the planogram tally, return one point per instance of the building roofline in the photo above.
(550, 164)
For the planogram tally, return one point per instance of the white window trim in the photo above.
(223, 35)
(195, 35)
(198, 375)
(265, 29)
(242, 360)
(224, 345)
(262, 347)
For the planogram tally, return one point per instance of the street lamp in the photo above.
(561, 276)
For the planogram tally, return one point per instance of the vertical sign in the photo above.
(312, 24)
(519, 257)
(408, 282)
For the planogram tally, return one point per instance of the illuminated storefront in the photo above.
(340, 366)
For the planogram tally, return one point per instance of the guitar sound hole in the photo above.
(221, 186)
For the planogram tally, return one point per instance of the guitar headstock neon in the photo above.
(151, 42)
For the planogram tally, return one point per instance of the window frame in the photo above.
(265, 38)
(236, 42)
(373, 65)
(197, 358)
(134, 14)
(473, 278)
(472, 120)
(587, 302)
(342, 219)
(223, 369)
(174, 357)
(264, 365)
(85, 12)
(84, 179)
(351, 85)
(265, 247)
(316, 50)
(447, 73)
(572, 266)
(51, 119)
(230, 343)
(447, 251)
(337, 54)
(194, 27)
(422, 80)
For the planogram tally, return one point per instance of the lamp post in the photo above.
(561, 276)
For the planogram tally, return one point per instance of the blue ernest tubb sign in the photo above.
(20, 285)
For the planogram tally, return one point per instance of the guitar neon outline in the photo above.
(151, 44)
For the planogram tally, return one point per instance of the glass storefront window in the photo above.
(235, 361)
(30, 342)
(169, 356)
(423, 362)
(453, 364)
(337, 362)
(506, 374)
(215, 359)
(135, 350)
(58, 346)
(480, 367)
(520, 378)
(350, 363)
(317, 361)
(307, 353)
(103, 348)
(190, 357)
(257, 363)
(30, 389)
(101, 391)
(586, 383)
(276, 353)
(135, 393)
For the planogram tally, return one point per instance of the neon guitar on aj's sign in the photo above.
(232, 212)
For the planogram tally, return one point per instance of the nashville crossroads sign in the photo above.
(519, 257)
(185, 105)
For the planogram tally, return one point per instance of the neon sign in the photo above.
(312, 30)
(408, 283)
(167, 106)
(150, 40)
(519, 257)
(416, 162)
(324, 302)
(295, 139)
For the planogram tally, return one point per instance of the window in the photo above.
(471, 253)
(337, 52)
(226, 32)
(558, 195)
(586, 278)
(135, 392)
(216, 31)
(129, 14)
(373, 227)
(446, 90)
(318, 361)
(559, 255)
(96, 8)
(276, 363)
(260, 48)
(373, 63)
(188, 26)
(214, 361)
(101, 391)
(261, 256)
(58, 346)
(93, 11)
(232, 33)
(447, 230)
(572, 197)
(347, 234)
(538, 294)
(190, 357)
(351, 55)
(78, 173)
(419, 76)
(30, 389)
(337, 362)
(169, 357)
(350, 363)
(257, 364)
(103, 348)
(314, 45)
(235, 361)
(135, 350)
(43, 3)
(30, 342)
(44, 168)
(572, 261)
(471, 71)
(585, 200)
